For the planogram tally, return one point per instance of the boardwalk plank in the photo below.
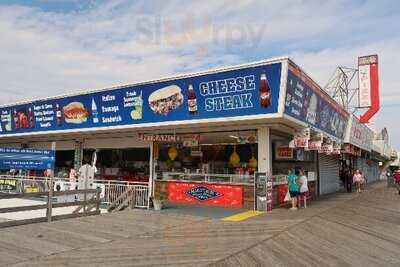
(338, 230)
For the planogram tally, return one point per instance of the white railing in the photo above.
(141, 196)
(110, 189)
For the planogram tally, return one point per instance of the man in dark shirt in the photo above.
(348, 178)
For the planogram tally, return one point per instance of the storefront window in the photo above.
(64, 163)
(217, 157)
(131, 164)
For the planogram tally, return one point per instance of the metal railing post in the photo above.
(98, 199)
(50, 200)
(108, 192)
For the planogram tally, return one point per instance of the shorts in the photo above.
(293, 193)
(303, 193)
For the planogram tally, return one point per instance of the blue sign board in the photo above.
(241, 92)
(306, 102)
(26, 159)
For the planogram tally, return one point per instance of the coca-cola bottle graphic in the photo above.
(16, 120)
(192, 100)
(31, 118)
(59, 115)
(265, 91)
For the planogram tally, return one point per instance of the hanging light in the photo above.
(253, 161)
(172, 153)
(234, 159)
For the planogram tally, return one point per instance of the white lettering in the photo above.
(226, 86)
(114, 109)
(228, 102)
(107, 98)
(111, 119)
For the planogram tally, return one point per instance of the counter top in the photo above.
(205, 182)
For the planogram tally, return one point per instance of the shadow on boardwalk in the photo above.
(338, 230)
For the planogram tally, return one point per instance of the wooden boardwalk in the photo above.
(339, 230)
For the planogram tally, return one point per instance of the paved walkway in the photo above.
(338, 230)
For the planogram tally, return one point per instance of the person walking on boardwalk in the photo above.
(293, 189)
(396, 177)
(348, 180)
(357, 180)
(303, 188)
(363, 181)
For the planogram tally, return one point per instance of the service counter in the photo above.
(224, 194)
(218, 193)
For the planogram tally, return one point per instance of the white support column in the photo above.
(264, 150)
(78, 154)
(51, 189)
(151, 174)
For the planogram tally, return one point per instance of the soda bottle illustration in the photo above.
(95, 113)
(16, 120)
(192, 100)
(31, 118)
(59, 115)
(265, 91)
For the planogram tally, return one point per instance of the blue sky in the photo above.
(52, 47)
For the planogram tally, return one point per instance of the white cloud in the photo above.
(118, 42)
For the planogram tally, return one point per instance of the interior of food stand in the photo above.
(218, 156)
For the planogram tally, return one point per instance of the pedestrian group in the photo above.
(298, 185)
(297, 189)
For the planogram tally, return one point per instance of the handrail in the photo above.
(122, 197)
(110, 189)
(94, 202)
(38, 178)
(40, 194)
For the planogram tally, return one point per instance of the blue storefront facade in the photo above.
(241, 110)
(216, 95)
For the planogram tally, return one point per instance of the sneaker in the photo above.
(293, 208)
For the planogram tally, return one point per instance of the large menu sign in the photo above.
(307, 102)
(240, 92)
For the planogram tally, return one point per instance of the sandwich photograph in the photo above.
(75, 113)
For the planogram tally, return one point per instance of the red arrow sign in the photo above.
(368, 86)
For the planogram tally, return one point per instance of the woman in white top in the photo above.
(303, 188)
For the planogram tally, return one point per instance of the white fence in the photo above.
(141, 199)
(111, 190)
(114, 189)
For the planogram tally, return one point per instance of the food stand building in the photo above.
(196, 138)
